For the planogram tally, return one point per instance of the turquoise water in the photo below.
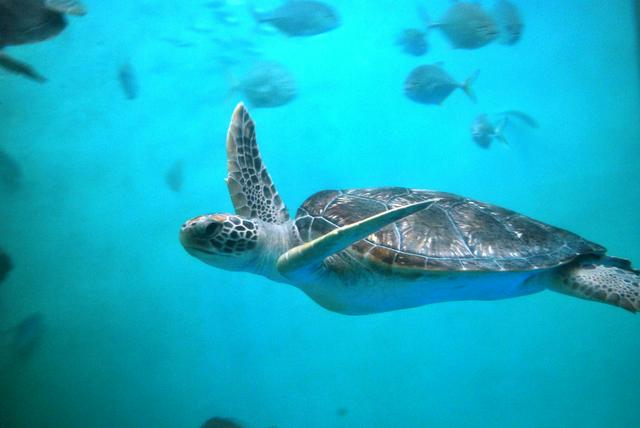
(139, 334)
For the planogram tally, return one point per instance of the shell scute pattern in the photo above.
(452, 234)
(250, 186)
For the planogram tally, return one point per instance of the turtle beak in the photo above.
(197, 233)
(193, 232)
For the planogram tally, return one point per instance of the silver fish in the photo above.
(524, 117)
(27, 335)
(6, 265)
(10, 171)
(299, 17)
(508, 19)
(128, 81)
(268, 84)
(483, 131)
(430, 84)
(466, 25)
(175, 176)
(413, 41)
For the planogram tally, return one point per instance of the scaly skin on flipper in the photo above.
(313, 253)
(19, 67)
(252, 191)
(607, 280)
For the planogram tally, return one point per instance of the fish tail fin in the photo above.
(466, 85)
(499, 131)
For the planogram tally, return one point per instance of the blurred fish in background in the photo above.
(27, 335)
(484, 130)
(508, 18)
(299, 17)
(431, 84)
(10, 172)
(217, 422)
(466, 25)
(174, 177)
(223, 14)
(6, 265)
(235, 50)
(128, 81)
(267, 84)
(413, 41)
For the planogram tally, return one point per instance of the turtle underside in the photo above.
(452, 234)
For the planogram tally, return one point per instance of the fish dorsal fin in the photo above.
(70, 7)
(312, 253)
(250, 185)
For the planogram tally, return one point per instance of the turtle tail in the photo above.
(600, 278)
(466, 85)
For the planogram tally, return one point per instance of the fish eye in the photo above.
(213, 228)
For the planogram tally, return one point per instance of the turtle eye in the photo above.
(213, 229)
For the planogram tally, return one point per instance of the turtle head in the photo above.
(226, 241)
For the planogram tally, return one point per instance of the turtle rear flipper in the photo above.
(19, 67)
(312, 253)
(69, 7)
(605, 279)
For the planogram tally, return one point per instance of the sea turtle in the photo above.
(30, 21)
(363, 251)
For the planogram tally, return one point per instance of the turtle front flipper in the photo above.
(602, 279)
(312, 253)
(70, 7)
(18, 67)
(250, 186)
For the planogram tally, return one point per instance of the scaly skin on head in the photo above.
(233, 242)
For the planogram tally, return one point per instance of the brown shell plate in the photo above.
(452, 234)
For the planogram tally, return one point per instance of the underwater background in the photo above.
(136, 333)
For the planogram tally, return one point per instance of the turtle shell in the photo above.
(452, 234)
(28, 21)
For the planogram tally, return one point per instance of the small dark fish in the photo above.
(342, 411)
(175, 176)
(483, 131)
(524, 117)
(413, 41)
(6, 265)
(221, 423)
(299, 17)
(268, 84)
(27, 335)
(128, 81)
(17, 67)
(430, 84)
(466, 25)
(508, 18)
(10, 171)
